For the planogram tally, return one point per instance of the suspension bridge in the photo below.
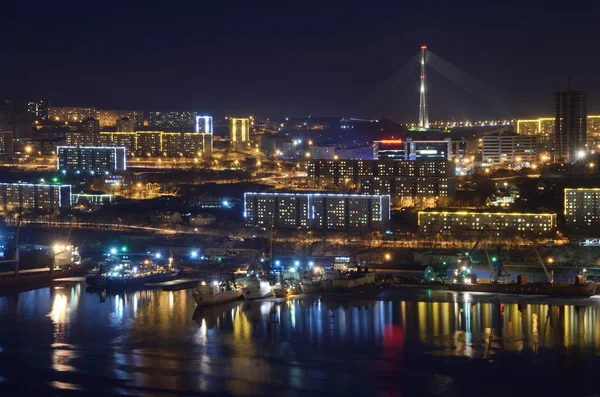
(449, 93)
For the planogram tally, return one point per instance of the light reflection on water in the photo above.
(154, 341)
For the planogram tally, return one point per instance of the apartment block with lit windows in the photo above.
(582, 207)
(343, 212)
(93, 159)
(401, 179)
(500, 224)
(27, 196)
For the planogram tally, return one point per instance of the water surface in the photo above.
(64, 340)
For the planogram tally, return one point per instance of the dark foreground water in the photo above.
(65, 341)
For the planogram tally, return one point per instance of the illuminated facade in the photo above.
(499, 149)
(389, 149)
(172, 120)
(403, 179)
(582, 207)
(110, 118)
(500, 224)
(412, 149)
(70, 114)
(26, 196)
(239, 130)
(160, 143)
(91, 159)
(204, 124)
(316, 211)
(78, 138)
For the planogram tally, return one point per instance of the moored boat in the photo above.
(256, 289)
(210, 294)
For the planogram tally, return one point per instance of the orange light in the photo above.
(423, 47)
(390, 141)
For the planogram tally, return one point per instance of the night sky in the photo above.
(297, 59)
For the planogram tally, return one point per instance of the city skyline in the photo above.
(291, 62)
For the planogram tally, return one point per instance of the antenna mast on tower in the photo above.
(423, 117)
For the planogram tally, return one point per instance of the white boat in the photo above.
(256, 289)
(210, 294)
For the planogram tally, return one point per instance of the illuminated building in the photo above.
(204, 124)
(582, 207)
(71, 114)
(429, 149)
(570, 124)
(148, 142)
(500, 149)
(239, 131)
(503, 224)
(172, 120)
(128, 140)
(89, 197)
(110, 118)
(78, 138)
(316, 211)
(593, 130)
(90, 125)
(125, 124)
(28, 196)
(6, 142)
(412, 149)
(404, 179)
(38, 109)
(91, 159)
(389, 149)
(160, 143)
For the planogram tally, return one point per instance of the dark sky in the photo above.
(292, 58)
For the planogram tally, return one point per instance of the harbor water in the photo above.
(62, 340)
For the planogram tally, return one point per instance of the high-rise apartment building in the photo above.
(172, 120)
(28, 196)
(582, 207)
(570, 125)
(204, 124)
(347, 212)
(403, 179)
(239, 131)
(91, 159)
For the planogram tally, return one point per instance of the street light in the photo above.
(388, 257)
(581, 154)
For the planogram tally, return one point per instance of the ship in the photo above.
(255, 288)
(214, 293)
(124, 281)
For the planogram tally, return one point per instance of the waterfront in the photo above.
(63, 340)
